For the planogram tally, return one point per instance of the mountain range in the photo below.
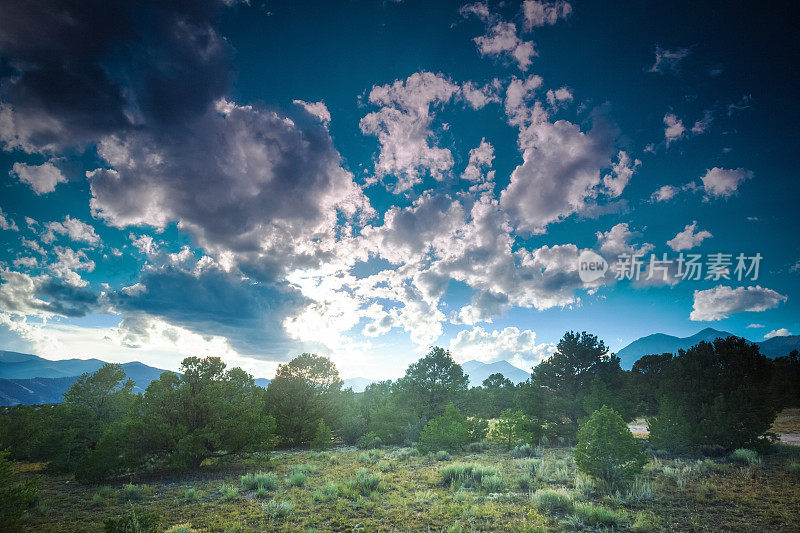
(478, 371)
(659, 343)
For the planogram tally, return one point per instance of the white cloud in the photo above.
(511, 344)
(721, 183)
(402, 126)
(76, 230)
(688, 238)
(669, 61)
(668, 192)
(479, 97)
(755, 326)
(7, 224)
(502, 39)
(316, 109)
(559, 96)
(539, 13)
(622, 171)
(783, 332)
(41, 178)
(480, 158)
(702, 125)
(674, 128)
(67, 264)
(721, 301)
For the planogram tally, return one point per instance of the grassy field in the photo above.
(393, 489)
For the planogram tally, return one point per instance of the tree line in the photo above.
(714, 397)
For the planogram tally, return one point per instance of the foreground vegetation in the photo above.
(430, 452)
(396, 489)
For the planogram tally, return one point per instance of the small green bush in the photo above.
(448, 431)
(492, 483)
(643, 523)
(607, 449)
(465, 474)
(277, 510)
(192, 495)
(260, 480)
(369, 440)
(745, 456)
(365, 482)
(597, 515)
(328, 493)
(523, 450)
(138, 520)
(228, 492)
(794, 468)
(512, 428)
(476, 447)
(550, 500)
(297, 479)
(133, 493)
(442, 455)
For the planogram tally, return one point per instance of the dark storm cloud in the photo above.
(219, 303)
(84, 69)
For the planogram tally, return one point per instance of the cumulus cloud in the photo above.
(316, 109)
(783, 332)
(7, 224)
(479, 97)
(511, 344)
(755, 325)
(561, 169)
(402, 126)
(669, 61)
(703, 124)
(688, 238)
(41, 178)
(502, 40)
(722, 183)
(538, 13)
(622, 171)
(75, 229)
(22, 294)
(480, 158)
(721, 301)
(674, 128)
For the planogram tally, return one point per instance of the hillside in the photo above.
(478, 371)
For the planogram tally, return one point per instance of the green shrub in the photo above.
(405, 454)
(743, 455)
(365, 482)
(442, 455)
(492, 483)
(477, 428)
(597, 515)
(277, 510)
(512, 428)
(643, 523)
(387, 466)
(329, 492)
(323, 437)
(523, 450)
(477, 447)
(192, 495)
(134, 493)
(228, 492)
(794, 468)
(448, 431)
(261, 480)
(370, 440)
(298, 479)
(369, 457)
(138, 520)
(607, 449)
(465, 474)
(15, 496)
(550, 500)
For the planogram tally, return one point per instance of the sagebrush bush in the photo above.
(552, 500)
(191, 494)
(465, 474)
(365, 482)
(743, 455)
(297, 479)
(133, 493)
(794, 468)
(260, 480)
(15, 496)
(607, 449)
(228, 492)
(277, 510)
(329, 492)
(442, 455)
(492, 483)
(597, 515)
(523, 450)
(476, 447)
(137, 520)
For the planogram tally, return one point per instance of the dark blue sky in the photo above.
(366, 179)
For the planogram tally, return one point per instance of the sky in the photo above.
(366, 179)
